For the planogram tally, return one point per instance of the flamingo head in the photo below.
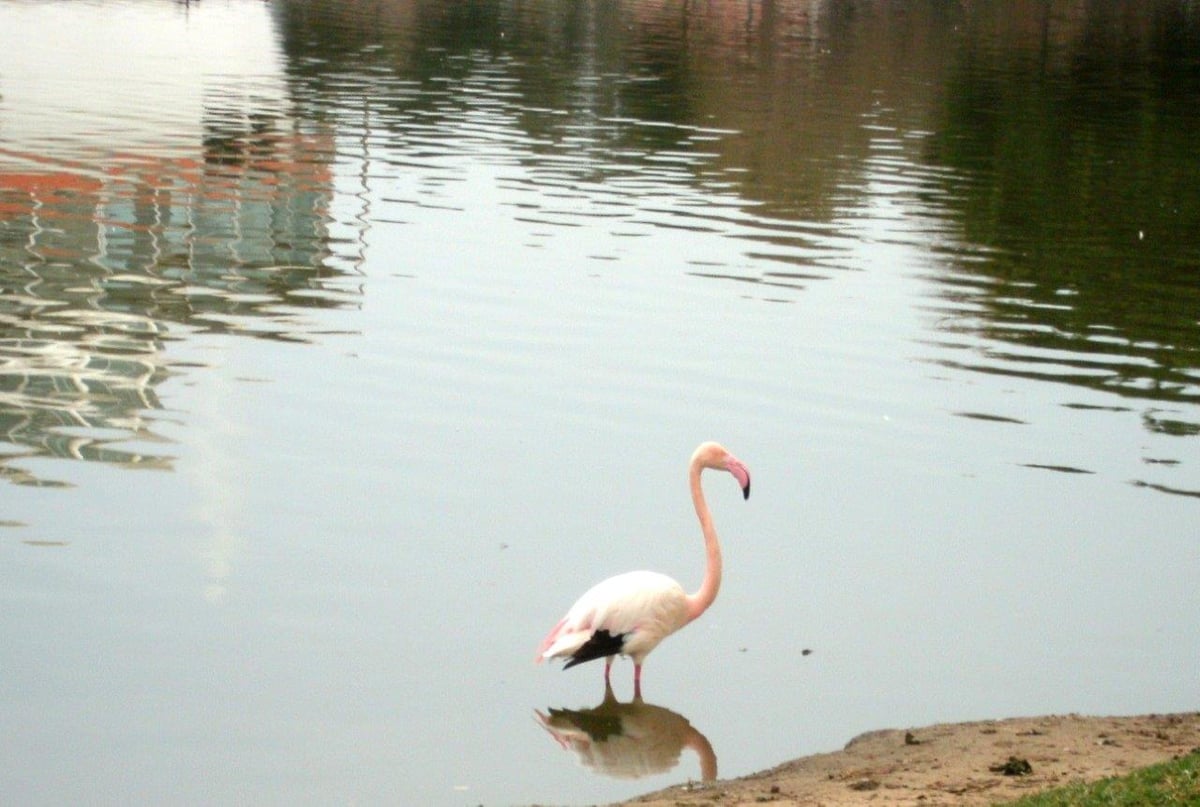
(717, 457)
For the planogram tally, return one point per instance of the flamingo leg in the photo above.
(607, 671)
(637, 682)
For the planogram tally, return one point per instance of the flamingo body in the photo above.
(629, 614)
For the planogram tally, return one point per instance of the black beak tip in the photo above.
(746, 491)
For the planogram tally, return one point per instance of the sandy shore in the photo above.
(953, 764)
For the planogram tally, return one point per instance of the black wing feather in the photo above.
(601, 645)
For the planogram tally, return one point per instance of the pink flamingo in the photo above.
(631, 613)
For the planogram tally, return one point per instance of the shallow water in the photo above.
(343, 344)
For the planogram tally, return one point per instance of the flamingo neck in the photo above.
(698, 603)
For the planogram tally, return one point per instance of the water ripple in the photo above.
(136, 209)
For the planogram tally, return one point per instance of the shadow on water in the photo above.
(628, 740)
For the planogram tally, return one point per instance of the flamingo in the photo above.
(631, 613)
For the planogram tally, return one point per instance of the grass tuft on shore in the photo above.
(1170, 784)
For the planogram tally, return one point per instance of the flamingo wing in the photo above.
(627, 614)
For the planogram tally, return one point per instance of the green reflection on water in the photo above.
(1072, 138)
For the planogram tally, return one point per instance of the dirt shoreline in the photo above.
(976, 763)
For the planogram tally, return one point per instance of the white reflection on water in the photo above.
(72, 101)
(497, 321)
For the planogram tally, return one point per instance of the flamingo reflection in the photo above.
(628, 740)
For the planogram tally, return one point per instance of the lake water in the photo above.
(343, 344)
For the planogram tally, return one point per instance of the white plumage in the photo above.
(643, 607)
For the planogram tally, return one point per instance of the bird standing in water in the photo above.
(631, 613)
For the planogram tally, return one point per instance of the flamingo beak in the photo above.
(740, 473)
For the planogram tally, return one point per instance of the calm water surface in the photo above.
(342, 344)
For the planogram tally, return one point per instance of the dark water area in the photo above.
(343, 344)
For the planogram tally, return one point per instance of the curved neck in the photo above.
(698, 603)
